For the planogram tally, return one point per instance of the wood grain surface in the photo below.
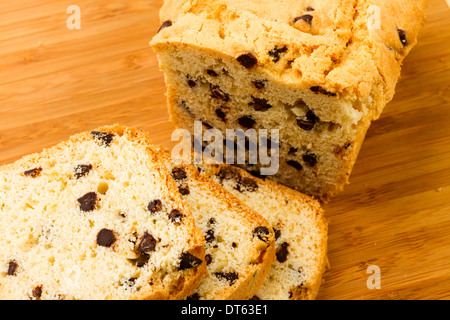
(395, 214)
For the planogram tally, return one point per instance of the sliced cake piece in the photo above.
(96, 217)
(300, 232)
(239, 242)
(318, 71)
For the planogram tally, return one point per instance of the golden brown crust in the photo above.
(352, 59)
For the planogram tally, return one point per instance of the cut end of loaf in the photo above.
(319, 79)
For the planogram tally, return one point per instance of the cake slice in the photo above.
(96, 217)
(319, 72)
(300, 232)
(239, 248)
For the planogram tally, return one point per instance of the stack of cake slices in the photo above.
(108, 215)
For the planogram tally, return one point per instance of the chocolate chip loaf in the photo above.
(240, 243)
(317, 71)
(96, 217)
(300, 232)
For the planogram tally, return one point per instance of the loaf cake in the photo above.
(96, 217)
(319, 72)
(300, 232)
(240, 243)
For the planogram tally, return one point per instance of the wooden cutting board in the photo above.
(395, 214)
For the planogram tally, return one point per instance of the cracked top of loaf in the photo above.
(350, 49)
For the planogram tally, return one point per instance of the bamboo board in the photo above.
(395, 214)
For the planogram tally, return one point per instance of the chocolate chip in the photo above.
(294, 164)
(247, 122)
(194, 296)
(222, 115)
(82, 170)
(217, 93)
(310, 158)
(277, 233)
(178, 173)
(292, 151)
(188, 261)
(347, 145)
(282, 252)
(315, 89)
(191, 83)
(318, 89)
(229, 173)
(256, 174)
(103, 137)
(296, 288)
(306, 17)
(212, 73)
(259, 84)
(208, 259)
(209, 236)
(247, 184)
(12, 267)
(175, 216)
(133, 238)
(105, 238)
(184, 190)
(247, 59)
(234, 244)
(255, 298)
(262, 233)
(164, 25)
(140, 261)
(308, 122)
(128, 282)
(155, 206)
(402, 36)
(206, 124)
(37, 292)
(260, 104)
(231, 277)
(212, 221)
(184, 106)
(309, 9)
(147, 244)
(87, 202)
(276, 52)
(33, 173)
